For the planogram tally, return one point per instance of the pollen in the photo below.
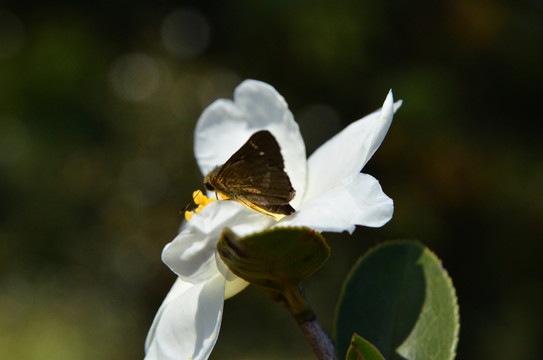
(199, 199)
(188, 215)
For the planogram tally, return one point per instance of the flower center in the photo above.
(199, 199)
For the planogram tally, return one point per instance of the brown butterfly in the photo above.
(255, 176)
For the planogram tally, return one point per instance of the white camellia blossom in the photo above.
(331, 195)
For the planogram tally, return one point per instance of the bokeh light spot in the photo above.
(135, 77)
(185, 33)
(216, 85)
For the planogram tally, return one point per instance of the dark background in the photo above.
(98, 103)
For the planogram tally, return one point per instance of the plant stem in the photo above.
(320, 342)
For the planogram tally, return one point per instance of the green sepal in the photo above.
(276, 260)
(399, 297)
(361, 349)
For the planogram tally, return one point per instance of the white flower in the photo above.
(331, 195)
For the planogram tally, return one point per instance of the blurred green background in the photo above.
(98, 103)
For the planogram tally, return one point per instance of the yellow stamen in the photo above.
(201, 200)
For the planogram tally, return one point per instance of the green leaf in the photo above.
(276, 259)
(399, 297)
(361, 349)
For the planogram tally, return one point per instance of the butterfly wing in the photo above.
(255, 175)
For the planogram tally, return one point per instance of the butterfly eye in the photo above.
(208, 186)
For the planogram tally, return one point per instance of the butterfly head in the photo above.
(208, 180)
(208, 186)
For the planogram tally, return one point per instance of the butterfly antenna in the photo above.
(184, 209)
(193, 198)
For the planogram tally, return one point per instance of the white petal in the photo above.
(225, 126)
(179, 287)
(234, 284)
(359, 200)
(188, 322)
(346, 153)
(234, 287)
(191, 255)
